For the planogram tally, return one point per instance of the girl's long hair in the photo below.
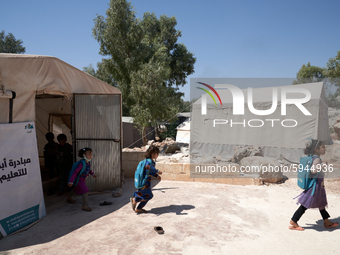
(152, 149)
(312, 145)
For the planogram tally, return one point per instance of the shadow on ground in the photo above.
(318, 226)
(177, 209)
(63, 218)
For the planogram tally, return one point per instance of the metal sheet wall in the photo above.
(97, 121)
(105, 164)
(97, 116)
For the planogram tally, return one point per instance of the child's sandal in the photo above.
(333, 225)
(133, 205)
(87, 209)
(141, 211)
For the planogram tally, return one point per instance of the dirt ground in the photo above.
(198, 218)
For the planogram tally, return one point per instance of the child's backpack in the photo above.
(304, 179)
(140, 176)
(74, 167)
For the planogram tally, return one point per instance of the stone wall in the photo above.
(174, 171)
(130, 162)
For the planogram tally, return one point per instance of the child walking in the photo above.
(81, 188)
(318, 200)
(144, 195)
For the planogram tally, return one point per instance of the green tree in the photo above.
(8, 44)
(309, 73)
(330, 76)
(333, 66)
(144, 58)
(102, 73)
(333, 79)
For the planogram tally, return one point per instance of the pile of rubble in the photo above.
(336, 127)
(170, 150)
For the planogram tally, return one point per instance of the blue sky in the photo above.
(231, 39)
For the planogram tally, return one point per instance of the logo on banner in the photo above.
(238, 108)
(29, 128)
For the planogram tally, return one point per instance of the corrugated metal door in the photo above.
(96, 124)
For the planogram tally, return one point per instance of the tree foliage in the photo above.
(101, 73)
(333, 67)
(333, 78)
(329, 75)
(145, 60)
(309, 73)
(8, 44)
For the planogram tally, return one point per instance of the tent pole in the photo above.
(11, 107)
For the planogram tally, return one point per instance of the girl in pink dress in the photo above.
(81, 188)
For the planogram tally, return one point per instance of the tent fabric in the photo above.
(44, 87)
(274, 138)
(31, 75)
(183, 132)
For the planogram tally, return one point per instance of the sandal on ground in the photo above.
(333, 225)
(141, 211)
(296, 228)
(87, 209)
(70, 201)
(159, 230)
(105, 203)
(132, 204)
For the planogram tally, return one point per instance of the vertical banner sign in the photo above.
(21, 194)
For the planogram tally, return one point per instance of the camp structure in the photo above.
(60, 98)
(132, 136)
(278, 119)
(183, 132)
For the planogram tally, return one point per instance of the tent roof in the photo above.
(185, 126)
(32, 76)
(48, 75)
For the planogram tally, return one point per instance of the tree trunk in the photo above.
(144, 136)
(156, 134)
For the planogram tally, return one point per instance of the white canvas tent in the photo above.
(274, 138)
(60, 98)
(183, 132)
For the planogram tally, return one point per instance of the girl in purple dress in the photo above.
(318, 200)
(81, 188)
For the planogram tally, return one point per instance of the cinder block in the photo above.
(165, 167)
(186, 168)
(133, 155)
(168, 176)
(183, 178)
(177, 168)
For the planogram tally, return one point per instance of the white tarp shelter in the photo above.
(183, 132)
(271, 132)
(60, 98)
